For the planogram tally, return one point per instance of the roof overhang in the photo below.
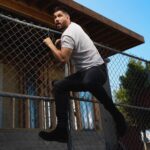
(101, 29)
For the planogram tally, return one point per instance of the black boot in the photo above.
(59, 134)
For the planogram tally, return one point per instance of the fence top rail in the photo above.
(131, 106)
(57, 32)
(120, 52)
(23, 96)
(29, 24)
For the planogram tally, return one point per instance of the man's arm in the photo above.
(62, 54)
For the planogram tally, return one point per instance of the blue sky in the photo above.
(132, 14)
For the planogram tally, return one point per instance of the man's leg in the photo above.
(94, 80)
(61, 94)
(102, 96)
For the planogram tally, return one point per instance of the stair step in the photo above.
(87, 140)
(28, 139)
(23, 139)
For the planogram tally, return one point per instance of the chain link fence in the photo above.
(129, 78)
(27, 68)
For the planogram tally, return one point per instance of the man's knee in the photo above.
(53, 82)
(57, 87)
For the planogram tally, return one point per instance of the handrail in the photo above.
(24, 96)
(131, 106)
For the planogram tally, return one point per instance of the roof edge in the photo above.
(98, 17)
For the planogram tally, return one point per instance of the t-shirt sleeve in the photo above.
(67, 42)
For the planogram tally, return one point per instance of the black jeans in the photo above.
(91, 80)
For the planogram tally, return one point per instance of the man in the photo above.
(90, 74)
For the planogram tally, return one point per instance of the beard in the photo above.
(60, 27)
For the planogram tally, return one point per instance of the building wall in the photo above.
(148, 146)
(8, 83)
(10, 78)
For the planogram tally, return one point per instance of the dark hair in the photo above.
(61, 8)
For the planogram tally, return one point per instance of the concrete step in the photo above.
(87, 140)
(26, 139)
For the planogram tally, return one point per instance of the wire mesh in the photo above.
(138, 123)
(130, 90)
(27, 67)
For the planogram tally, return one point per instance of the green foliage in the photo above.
(135, 90)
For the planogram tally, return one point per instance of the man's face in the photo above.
(61, 19)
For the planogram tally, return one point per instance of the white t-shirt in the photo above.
(84, 55)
